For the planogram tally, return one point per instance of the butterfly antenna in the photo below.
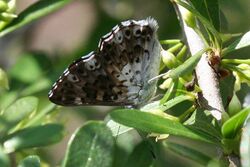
(157, 77)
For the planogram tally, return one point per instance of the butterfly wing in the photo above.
(117, 73)
(85, 82)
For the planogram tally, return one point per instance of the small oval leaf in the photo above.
(91, 145)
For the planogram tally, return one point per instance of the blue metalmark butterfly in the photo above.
(117, 73)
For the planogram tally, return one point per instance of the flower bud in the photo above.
(166, 83)
(169, 59)
(3, 6)
(188, 17)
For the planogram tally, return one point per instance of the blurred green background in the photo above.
(36, 55)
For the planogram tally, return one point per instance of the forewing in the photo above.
(85, 82)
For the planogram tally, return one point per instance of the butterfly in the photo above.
(117, 74)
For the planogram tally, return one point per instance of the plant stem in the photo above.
(206, 76)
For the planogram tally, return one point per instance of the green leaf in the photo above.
(40, 85)
(141, 156)
(234, 106)
(210, 10)
(152, 123)
(242, 42)
(30, 161)
(170, 92)
(176, 100)
(188, 153)
(226, 85)
(245, 145)
(187, 67)
(4, 159)
(19, 110)
(33, 137)
(4, 83)
(206, 23)
(37, 63)
(217, 163)
(231, 146)
(38, 117)
(91, 145)
(6, 99)
(202, 120)
(231, 127)
(32, 13)
(117, 129)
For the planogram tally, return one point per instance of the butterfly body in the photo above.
(117, 73)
